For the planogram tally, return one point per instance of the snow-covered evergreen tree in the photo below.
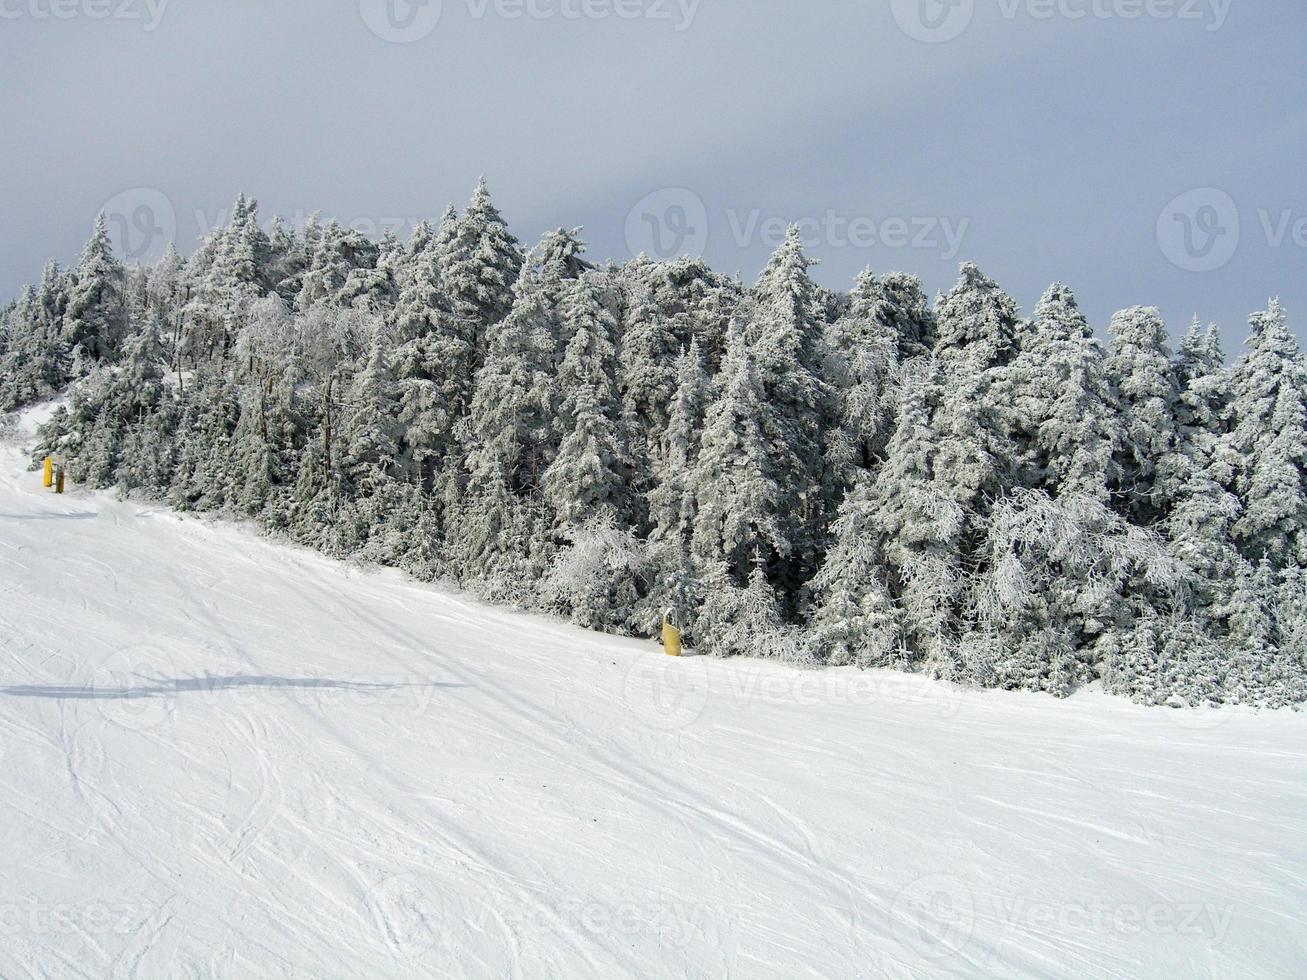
(1269, 441)
(369, 417)
(583, 482)
(1066, 418)
(509, 429)
(480, 266)
(976, 457)
(854, 618)
(898, 303)
(785, 332)
(861, 361)
(95, 318)
(1141, 368)
(738, 501)
(919, 524)
(1058, 576)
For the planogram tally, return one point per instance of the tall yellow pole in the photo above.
(671, 638)
(48, 476)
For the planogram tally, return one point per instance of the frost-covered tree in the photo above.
(647, 375)
(975, 458)
(433, 363)
(369, 445)
(509, 429)
(672, 499)
(583, 482)
(329, 279)
(589, 355)
(671, 503)
(480, 265)
(1203, 510)
(861, 360)
(1066, 418)
(1269, 441)
(253, 458)
(919, 524)
(737, 498)
(1141, 368)
(786, 327)
(596, 578)
(34, 356)
(899, 304)
(854, 618)
(976, 322)
(95, 318)
(1060, 575)
(744, 620)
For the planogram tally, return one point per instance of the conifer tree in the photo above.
(786, 334)
(919, 524)
(899, 305)
(976, 457)
(509, 429)
(95, 319)
(861, 362)
(583, 481)
(480, 265)
(1141, 368)
(370, 423)
(743, 621)
(737, 499)
(854, 618)
(1067, 421)
(1269, 442)
(589, 354)
(672, 500)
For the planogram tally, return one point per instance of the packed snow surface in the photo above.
(224, 756)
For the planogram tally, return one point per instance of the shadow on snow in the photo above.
(166, 687)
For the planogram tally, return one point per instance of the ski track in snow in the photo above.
(225, 756)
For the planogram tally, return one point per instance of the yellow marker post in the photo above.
(671, 637)
(48, 476)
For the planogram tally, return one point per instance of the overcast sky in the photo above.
(1143, 151)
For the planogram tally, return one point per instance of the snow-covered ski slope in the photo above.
(222, 756)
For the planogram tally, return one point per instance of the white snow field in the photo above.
(223, 756)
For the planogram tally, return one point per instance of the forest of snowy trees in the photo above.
(866, 478)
